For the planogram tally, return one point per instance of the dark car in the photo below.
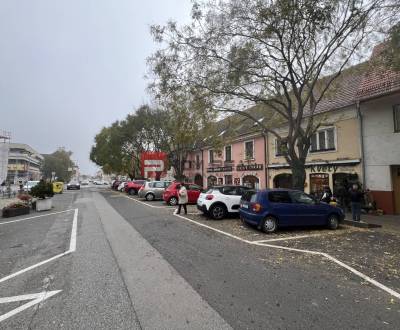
(133, 187)
(170, 195)
(273, 208)
(73, 185)
(115, 184)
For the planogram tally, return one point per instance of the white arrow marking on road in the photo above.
(36, 298)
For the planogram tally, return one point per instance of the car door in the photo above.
(310, 212)
(193, 193)
(230, 198)
(158, 189)
(281, 207)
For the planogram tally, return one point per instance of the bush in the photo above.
(16, 205)
(24, 197)
(42, 190)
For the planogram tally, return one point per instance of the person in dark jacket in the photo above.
(356, 197)
(327, 195)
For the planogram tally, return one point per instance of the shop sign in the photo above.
(16, 167)
(323, 168)
(250, 167)
(219, 169)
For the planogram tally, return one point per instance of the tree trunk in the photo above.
(298, 174)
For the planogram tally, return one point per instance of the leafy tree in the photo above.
(58, 162)
(270, 53)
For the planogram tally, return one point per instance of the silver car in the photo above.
(153, 190)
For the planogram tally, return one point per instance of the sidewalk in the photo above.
(388, 222)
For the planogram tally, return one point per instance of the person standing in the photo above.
(327, 196)
(182, 199)
(356, 197)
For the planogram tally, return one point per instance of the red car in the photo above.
(133, 187)
(170, 195)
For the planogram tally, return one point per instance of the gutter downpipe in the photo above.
(202, 165)
(266, 156)
(361, 127)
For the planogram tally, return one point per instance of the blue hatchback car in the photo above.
(273, 208)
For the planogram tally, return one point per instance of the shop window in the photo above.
(228, 179)
(280, 147)
(211, 181)
(323, 140)
(251, 181)
(283, 180)
(220, 181)
(396, 116)
(317, 183)
(228, 153)
(249, 149)
(211, 156)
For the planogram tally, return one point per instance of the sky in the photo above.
(70, 67)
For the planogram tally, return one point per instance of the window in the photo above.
(228, 179)
(211, 156)
(280, 147)
(301, 198)
(279, 197)
(229, 191)
(249, 150)
(228, 153)
(159, 184)
(396, 116)
(197, 162)
(323, 140)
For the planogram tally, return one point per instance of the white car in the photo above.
(29, 185)
(219, 201)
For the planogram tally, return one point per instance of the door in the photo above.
(309, 211)
(158, 189)
(193, 193)
(396, 188)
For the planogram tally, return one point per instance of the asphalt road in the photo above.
(137, 267)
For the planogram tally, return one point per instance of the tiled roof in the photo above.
(378, 82)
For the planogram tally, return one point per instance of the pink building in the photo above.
(241, 162)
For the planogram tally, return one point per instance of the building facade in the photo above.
(24, 163)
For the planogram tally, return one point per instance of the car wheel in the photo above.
(132, 192)
(218, 212)
(173, 201)
(333, 222)
(150, 197)
(269, 225)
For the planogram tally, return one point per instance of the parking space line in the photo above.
(72, 248)
(36, 216)
(153, 206)
(325, 255)
(286, 238)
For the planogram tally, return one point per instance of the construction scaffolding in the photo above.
(5, 138)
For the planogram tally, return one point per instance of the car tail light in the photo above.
(209, 197)
(256, 207)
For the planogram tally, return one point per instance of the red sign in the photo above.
(153, 164)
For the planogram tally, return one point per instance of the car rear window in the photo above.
(279, 197)
(229, 191)
(249, 196)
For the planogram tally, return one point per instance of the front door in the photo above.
(396, 188)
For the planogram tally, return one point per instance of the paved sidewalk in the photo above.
(388, 222)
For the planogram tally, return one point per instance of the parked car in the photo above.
(121, 186)
(133, 187)
(217, 202)
(274, 208)
(170, 195)
(73, 185)
(153, 190)
(29, 185)
(115, 184)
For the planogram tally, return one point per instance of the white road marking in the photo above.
(72, 243)
(149, 205)
(329, 257)
(36, 298)
(35, 217)
(286, 238)
(72, 248)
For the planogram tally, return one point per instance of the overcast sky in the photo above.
(70, 67)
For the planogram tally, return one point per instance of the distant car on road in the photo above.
(73, 185)
(273, 208)
(218, 201)
(170, 195)
(29, 185)
(85, 183)
(133, 187)
(153, 190)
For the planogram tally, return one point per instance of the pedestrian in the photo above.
(327, 195)
(356, 197)
(182, 199)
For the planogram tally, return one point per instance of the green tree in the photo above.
(58, 162)
(269, 53)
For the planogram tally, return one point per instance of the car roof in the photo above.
(229, 185)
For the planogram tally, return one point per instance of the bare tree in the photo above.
(271, 53)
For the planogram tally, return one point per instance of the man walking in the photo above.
(356, 196)
(182, 199)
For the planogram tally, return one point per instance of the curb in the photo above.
(360, 224)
